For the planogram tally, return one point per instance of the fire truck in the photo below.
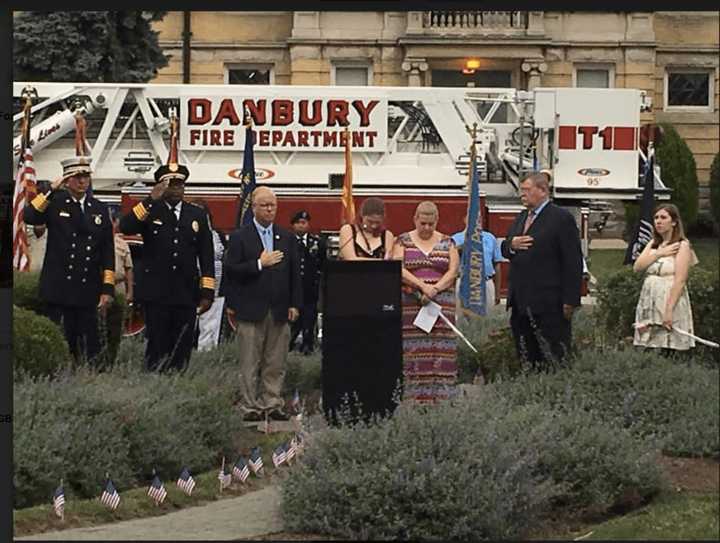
(408, 144)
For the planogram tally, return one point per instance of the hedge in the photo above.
(127, 422)
(26, 294)
(39, 346)
(715, 190)
(480, 468)
(617, 299)
(679, 172)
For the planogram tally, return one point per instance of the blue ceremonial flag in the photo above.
(110, 496)
(255, 461)
(157, 490)
(245, 214)
(186, 482)
(472, 276)
(240, 470)
(644, 229)
(59, 501)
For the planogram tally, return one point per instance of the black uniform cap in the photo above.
(300, 215)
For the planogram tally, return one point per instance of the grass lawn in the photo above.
(604, 262)
(679, 516)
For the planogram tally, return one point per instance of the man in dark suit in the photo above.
(543, 246)
(312, 252)
(77, 275)
(263, 293)
(176, 238)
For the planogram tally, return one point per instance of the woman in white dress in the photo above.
(664, 304)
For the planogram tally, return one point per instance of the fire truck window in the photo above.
(248, 76)
(688, 89)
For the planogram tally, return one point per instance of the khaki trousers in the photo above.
(263, 358)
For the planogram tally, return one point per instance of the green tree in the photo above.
(679, 172)
(715, 189)
(92, 46)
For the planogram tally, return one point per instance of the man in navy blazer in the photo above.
(546, 264)
(263, 293)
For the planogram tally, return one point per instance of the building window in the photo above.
(688, 88)
(351, 75)
(248, 75)
(593, 76)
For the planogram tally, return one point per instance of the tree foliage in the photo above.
(92, 46)
(715, 188)
(679, 172)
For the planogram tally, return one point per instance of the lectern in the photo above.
(362, 338)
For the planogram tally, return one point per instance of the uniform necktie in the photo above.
(529, 220)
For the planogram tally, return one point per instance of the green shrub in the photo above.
(475, 469)
(679, 172)
(39, 345)
(125, 421)
(658, 399)
(715, 189)
(618, 296)
(303, 374)
(26, 294)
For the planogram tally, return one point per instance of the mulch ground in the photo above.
(692, 474)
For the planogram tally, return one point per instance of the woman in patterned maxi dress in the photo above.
(430, 263)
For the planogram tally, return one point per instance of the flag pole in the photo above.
(222, 473)
(62, 512)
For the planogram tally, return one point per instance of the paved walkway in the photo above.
(613, 243)
(248, 516)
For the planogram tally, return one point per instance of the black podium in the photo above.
(362, 338)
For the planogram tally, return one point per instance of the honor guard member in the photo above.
(77, 276)
(312, 251)
(176, 238)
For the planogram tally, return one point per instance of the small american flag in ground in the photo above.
(186, 482)
(278, 455)
(59, 501)
(157, 490)
(224, 478)
(110, 496)
(240, 470)
(255, 462)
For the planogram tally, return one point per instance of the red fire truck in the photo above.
(409, 144)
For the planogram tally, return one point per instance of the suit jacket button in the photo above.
(88, 247)
(69, 277)
(174, 254)
(84, 280)
(175, 240)
(87, 258)
(72, 256)
(74, 234)
(70, 267)
(174, 268)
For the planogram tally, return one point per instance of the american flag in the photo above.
(279, 456)
(24, 192)
(255, 461)
(157, 490)
(110, 496)
(186, 482)
(224, 478)
(59, 501)
(241, 470)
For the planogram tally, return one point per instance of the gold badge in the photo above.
(98, 219)
(173, 167)
(195, 226)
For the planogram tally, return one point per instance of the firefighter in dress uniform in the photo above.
(77, 276)
(312, 251)
(176, 242)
